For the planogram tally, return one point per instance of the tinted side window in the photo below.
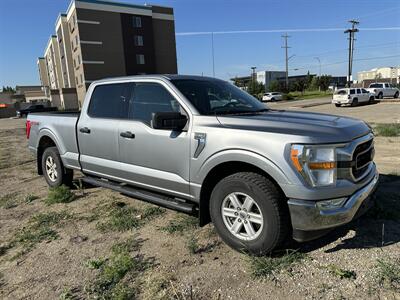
(352, 92)
(364, 91)
(110, 101)
(149, 98)
(358, 91)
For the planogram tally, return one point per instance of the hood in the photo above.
(319, 128)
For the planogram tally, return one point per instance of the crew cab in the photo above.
(352, 96)
(34, 108)
(202, 146)
(383, 89)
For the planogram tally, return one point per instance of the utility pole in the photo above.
(253, 78)
(212, 53)
(351, 33)
(286, 60)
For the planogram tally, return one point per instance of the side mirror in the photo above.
(169, 120)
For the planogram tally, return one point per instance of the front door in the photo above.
(98, 129)
(149, 157)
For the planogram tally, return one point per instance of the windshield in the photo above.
(217, 97)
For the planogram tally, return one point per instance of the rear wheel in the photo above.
(380, 96)
(337, 105)
(249, 213)
(396, 95)
(272, 99)
(355, 102)
(371, 100)
(53, 169)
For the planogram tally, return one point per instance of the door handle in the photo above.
(127, 134)
(84, 130)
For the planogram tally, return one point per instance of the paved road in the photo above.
(383, 112)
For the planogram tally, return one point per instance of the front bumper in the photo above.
(307, 216)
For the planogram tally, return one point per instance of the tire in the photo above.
(272, 99)
(371, 100)
(355, 102)
(337, 105)
(53, 169)
(268, 209)
(380, 96)
(396, 95)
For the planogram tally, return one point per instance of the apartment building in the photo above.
(98, 39)
(386, 74)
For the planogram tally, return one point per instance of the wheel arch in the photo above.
(221, 171)
(44, 142)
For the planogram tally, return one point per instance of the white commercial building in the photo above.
(391, 73)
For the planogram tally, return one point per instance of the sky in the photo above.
(246, 34)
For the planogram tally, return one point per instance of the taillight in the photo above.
(28, 128)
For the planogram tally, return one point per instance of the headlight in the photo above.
(316, 164)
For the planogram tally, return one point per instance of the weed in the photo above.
(8, 201)
(95, 263)
(1, 280)
(4, 249)
(387, 129)
(150, 212)
(39, 229)
(30, 198)
(158, 287)
(80, 187)
(180, 224)
(122, 217)
(110, 282)
(60, 194)
(268, 266)
(129, 245)
(67, 294)
(335, 270)
(193, 245)
(389, 273)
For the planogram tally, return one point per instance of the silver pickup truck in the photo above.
(202, 146)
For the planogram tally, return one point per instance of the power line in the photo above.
(193, 33)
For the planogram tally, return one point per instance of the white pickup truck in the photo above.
(383, 89)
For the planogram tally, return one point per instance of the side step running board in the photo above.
(154, 198)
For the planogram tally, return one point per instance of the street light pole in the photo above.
(319, 61)
(212, 53)
(286, 60)
(351, 33)
(253, 77)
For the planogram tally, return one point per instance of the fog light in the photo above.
(331, 204)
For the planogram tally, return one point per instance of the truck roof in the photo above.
(158, 76)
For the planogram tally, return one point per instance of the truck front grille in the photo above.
(362, 157)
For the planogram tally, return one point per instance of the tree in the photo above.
(324, 82)
(275, 86)
(300, 85)
(308, 80)
(314, 83)
(255, 88)
(8, 89)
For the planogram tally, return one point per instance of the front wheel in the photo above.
(249, 213)
(396, 95)
(337, 105)
(53, 169)
(355, 102)
(380, 96)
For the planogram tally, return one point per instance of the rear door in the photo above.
(98, 129)
(150, 157)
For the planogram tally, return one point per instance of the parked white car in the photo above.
(383, 89)
(274, 96)
(352, 96)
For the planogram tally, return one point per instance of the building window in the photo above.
(137, 22)
(76, 79)
(140, 59)
(74, 19)
(81, 78)
(79, 59)
(76, 40)
(138, 40)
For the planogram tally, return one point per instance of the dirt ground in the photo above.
(67, 251)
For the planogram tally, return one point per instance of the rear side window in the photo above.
(376, 85)
(341, 92)
(358, 91)
(149, 98)
(352, 92)
(110, 101)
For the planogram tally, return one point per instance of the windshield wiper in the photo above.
(241, 112)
